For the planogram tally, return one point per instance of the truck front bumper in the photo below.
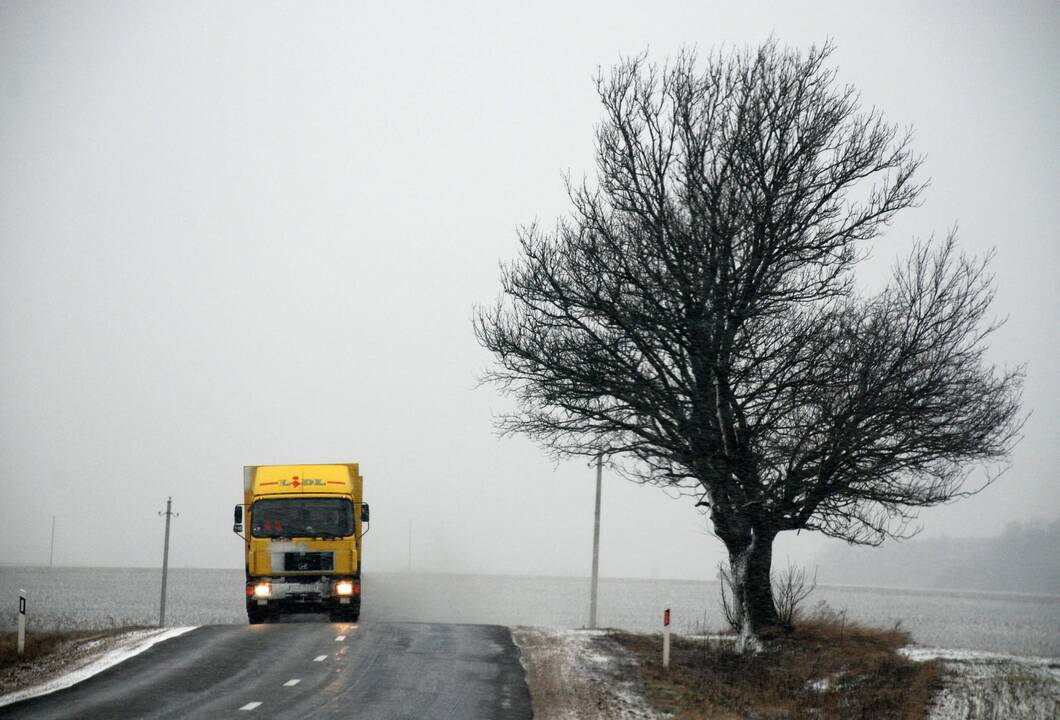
(303, 595)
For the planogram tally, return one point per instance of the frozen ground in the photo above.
(992, 686)
(577, 674)
(584, 674)
(89, 598)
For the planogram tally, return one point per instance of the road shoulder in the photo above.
(581, 674)
(76, 661)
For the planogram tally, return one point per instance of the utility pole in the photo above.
(165, 561)
(596, 543)
(51, 553)
(410, 546)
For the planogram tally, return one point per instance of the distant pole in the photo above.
(596, 542)
(51, 553)
(410, 546)
(165, 561)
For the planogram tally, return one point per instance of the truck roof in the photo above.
(332, 478)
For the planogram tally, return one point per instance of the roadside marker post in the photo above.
(21, 621)
(666, 637)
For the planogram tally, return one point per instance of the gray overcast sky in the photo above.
(248, 233)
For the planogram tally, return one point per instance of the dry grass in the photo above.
(823, 669)
(44, 644)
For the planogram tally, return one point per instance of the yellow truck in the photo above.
(303, 531)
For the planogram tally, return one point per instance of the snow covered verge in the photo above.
(991, 686)
(576, 674)
(585, 674)
(77, 661)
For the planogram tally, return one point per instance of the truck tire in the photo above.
(255, 617)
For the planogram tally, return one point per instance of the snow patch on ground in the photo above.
(993, 686)
(576, 674)
(95, 657)
(824, 684)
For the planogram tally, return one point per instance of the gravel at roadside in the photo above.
(581, 674)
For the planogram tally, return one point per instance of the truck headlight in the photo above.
(344, 587)
(262, 590)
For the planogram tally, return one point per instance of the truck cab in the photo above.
(302, 528)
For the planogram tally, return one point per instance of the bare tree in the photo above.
(696, 317)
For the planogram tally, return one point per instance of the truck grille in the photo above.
(308, 561)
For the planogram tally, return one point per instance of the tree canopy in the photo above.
(696, 317)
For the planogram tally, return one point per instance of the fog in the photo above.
(249, 234)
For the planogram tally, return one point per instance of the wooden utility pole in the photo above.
(165, 561)
(596, 543)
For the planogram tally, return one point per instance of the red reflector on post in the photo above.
(666, 617)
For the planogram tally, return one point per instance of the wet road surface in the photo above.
(306, 670)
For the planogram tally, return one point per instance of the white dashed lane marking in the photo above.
(292, 682)
(250, 706)
(320, 658)
(340, 638)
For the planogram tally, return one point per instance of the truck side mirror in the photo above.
(238, 526)
(364, 512)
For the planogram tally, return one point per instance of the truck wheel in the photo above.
(255, 617)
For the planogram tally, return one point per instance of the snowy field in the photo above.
(101, 597)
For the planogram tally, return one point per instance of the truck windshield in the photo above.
(301, 517)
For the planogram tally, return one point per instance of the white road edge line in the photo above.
(320, 658)
(340, 638)
(250, 705)
(138, 642)
(292, 682)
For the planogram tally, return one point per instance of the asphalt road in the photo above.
(306, 670)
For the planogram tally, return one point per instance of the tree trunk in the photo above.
(750, 563)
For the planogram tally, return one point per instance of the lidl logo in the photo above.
(308, 482)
